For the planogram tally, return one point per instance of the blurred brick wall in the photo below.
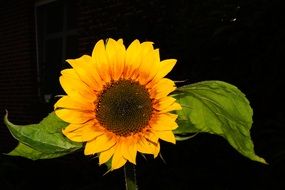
(157, 21)
(120, 19)
(18, 71)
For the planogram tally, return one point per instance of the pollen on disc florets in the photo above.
(124, 107)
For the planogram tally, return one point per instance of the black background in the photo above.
(240, 42)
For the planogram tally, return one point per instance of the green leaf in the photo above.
(28, 152)
(45, 137)
(184, 123)
(218, 108)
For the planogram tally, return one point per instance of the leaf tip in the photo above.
(263, 161)
(6, 116)
(6, 120)
(260, 159)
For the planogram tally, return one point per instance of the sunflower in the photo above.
(117, 101)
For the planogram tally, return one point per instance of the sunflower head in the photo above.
(117, 101)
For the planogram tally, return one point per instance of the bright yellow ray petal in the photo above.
(166, 136)
(164, 103)
(152, 143)
(146, 56)
(133, 56)
(71, 127)
(118, 160)
(70, 73)
(85, 70)
(72, 103)
(74, 116)
(164, 122)
(121, 46)
(165, 67)
(111, 51)
(174, 106)
(120, 41)
(85, 133)
(146, 147)
(129, 149)
(106, 155)
(162, 88)
(116, 56)
(133, 153)
(151, 137)
(156, 150)
(73, 86)
(119, 67)
(150, 61)
(101, 143)
(100, 60)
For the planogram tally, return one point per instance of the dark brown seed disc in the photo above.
(124, 107)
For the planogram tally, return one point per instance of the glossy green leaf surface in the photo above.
(218, 108)
(28, 152)
(42, 140)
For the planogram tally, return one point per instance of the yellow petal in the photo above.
(101, 143)
(132, 153)
(145, 146)
(133, 56)
(145, 57)
(111, 51)
(156, 150)
(151, 137)
(150, 61)
(165, 67)
(129, 150)
(153, 140)
(100, 60)
(118, 160)
(174, 106)
(164, 122)
(86, 72)
(73, 87)
(116, 56)
(120, 41)
(85, 133)
(71, 127)
(119, 68)
(162, 88)
(72, 103)
(74, 116)
(164, 103)
(106, 155)
(121, 46)
(166, 136)
(70, 73)
(146, 47)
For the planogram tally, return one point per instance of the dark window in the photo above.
(56, 41)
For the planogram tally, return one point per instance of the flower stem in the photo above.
(130, 176)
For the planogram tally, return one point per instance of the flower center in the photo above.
(124, 107)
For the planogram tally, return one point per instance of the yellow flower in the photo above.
(117, 101)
